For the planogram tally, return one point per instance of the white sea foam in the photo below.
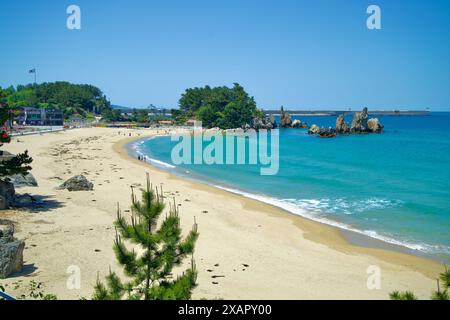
(314, 211)
(136, 147)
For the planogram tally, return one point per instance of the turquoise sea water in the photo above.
(393, 186)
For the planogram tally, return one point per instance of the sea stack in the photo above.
(342, 126)
(285, 119)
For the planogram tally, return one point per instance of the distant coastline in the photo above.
(334, 113)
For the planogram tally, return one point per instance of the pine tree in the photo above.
(161, 249)
(19, 164)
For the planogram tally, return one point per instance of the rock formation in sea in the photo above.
(314, 129)
(285, 119)
(375, 126)
(342, 126)
(360, 124)
(267, 123)
(77, 183)
(11, 252)
(327, 133)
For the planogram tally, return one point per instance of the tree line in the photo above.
(83, 100)
(221, 107)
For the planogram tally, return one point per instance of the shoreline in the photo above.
(353, 236)
(246, 250)
(345, 238)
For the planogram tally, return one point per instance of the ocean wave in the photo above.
(345, 206)
(314, 209)
(136, 147)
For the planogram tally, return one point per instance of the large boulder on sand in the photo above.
(342, 126)
(23, 181)
(7, 194)
(11, 252)
(77, 183)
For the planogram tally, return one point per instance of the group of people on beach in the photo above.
(142, 158)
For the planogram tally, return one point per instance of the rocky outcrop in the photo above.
(360, 122)
(314, 129)
(11, 252)
(19, 180)
(267, 123)
(298, 124)
(285, 119)
(327, 133)
(342, 126)
(375, 126)
(77, 183)
(7, 194)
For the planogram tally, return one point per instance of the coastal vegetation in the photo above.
(162, 249)
(442, 292)
(221, 107)
(10, 165)
(81, 100)
(149, 115)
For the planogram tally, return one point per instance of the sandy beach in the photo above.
(246, 250)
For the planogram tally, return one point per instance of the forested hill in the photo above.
(221, 107)
(73, 99)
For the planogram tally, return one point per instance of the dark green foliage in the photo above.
(445, 278)
(72, 99)
(162, 248)
(218, 107)
(407, 295)
(36, 292)
(112, 115)
(440, 295)
(437, 295)
(19, 164)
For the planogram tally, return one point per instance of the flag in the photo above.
(32, 70)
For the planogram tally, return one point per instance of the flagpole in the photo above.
(35, 72)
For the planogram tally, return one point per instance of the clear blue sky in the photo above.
(302, 54)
